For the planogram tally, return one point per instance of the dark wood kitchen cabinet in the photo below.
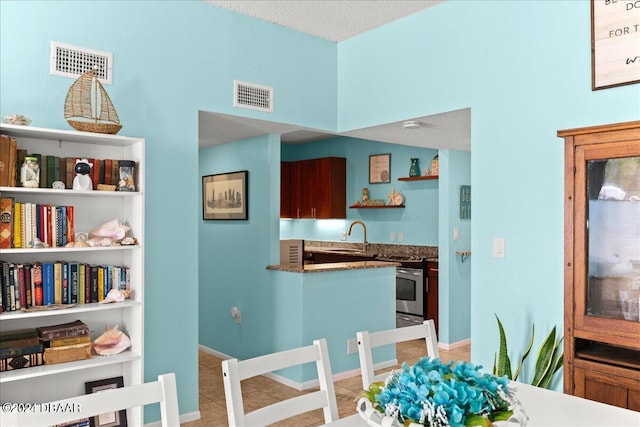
(314, 188)
(431, 302)
(602, 263)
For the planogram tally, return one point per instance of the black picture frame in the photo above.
(225, 196)
(108, 419)
(380, 168)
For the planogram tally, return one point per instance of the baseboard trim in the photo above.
(300, 386)
(454, 345)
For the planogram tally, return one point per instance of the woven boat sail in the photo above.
(88, 108)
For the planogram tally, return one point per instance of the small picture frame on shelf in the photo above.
(108, 419)
(379, 168)
(224, 196)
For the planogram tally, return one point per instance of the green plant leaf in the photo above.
(525, 354)
(500, 415)
(504, 364)
(555, 367)
(545, 357)
(473, 420)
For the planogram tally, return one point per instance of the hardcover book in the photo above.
(6, 222)
(22, 361)
(67, 341)
(69, 353)
(8, 158)
(19, 351)
(63, 330)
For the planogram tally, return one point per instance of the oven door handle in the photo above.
(412, 273)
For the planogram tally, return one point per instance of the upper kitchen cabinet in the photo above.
(314, 189)
(602, 263)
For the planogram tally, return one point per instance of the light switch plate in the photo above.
(498, 247)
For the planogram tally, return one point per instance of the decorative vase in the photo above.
(414, 170)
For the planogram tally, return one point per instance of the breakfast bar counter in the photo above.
(335, 302)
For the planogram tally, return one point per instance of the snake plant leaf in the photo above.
(545, 357)
(525, 354)
(504, 363)
(546, 380)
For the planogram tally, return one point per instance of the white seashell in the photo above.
(114, 295)
(81, 244)
(17, 119)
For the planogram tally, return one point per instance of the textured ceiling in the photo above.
(334, 20)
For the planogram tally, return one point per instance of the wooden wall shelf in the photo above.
(418, 178)
(376, 207)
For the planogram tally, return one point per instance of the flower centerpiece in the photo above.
(436, 394)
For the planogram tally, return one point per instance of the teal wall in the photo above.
(233, 254)
(524, 70)
(454, 276)
(418, 221)
(173, 58)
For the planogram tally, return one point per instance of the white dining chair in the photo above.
(234, 371)
(162, 391)
(369, 340)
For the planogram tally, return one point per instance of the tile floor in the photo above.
(261, 391)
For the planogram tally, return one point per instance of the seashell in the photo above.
(127, 241)
(81, 244)
(114, 295)
(112, 341)
(70, 245)
(112, 229)
(17, 119)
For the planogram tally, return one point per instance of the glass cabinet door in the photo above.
(613, 238)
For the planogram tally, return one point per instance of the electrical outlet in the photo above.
(235, 313)
(456, 233)
(343, 235)
(400, 236)
(393, 236)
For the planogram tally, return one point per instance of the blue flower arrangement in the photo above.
(436, 394)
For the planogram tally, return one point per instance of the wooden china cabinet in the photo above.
(602, 263)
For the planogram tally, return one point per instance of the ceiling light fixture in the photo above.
(411, 124)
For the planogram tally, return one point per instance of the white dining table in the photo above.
(547, 408)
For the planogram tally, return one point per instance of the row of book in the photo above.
(55, 168)
(46, 345)
(21, 223)
(45, 283)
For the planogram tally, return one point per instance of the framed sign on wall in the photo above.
(615, 43)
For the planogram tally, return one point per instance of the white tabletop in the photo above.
(546, 408)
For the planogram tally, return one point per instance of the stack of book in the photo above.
(20, 349)
(65, 342)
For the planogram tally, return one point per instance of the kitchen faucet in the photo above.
(364, 227)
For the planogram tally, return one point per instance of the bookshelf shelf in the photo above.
(76, 309)
(91, 209)
(68, 367)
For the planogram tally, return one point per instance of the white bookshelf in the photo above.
(91, 209)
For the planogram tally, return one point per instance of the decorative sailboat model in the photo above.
(88, 108)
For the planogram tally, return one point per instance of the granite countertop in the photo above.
(430, 253)
(334, 266)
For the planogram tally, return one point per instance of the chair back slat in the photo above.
(162, 391)
(369, 340)
(235, 371)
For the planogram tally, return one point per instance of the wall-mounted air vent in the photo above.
(73, 61)
(252, 96)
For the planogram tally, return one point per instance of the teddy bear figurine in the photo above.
(82, 180)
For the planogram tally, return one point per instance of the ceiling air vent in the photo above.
(252, 96)
(73, 61)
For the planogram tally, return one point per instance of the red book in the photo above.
(36, 275)
(21, 286)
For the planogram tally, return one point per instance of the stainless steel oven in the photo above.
(410, 292)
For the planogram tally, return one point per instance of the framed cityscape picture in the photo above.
(224, 196)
